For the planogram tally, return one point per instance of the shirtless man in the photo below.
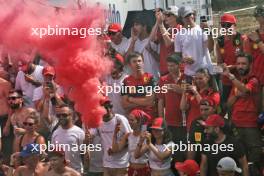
(5, 86)
(58, 165)
(31, 158)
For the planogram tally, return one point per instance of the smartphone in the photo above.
(217, 69)
(49, 85)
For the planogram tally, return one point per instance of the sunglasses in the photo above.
(188, 15)
(168, 14)
(62, 115)
(112, 33)
(28, 124)
(12, 98)
(108, 105)
(226, 25)
(204, 109)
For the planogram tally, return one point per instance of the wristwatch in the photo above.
(258, 41)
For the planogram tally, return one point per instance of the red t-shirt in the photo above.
(143, 86)
(172, 101)
(258, 61)
(165, 51)
(194, 111)
(229, 55)
(245, 109)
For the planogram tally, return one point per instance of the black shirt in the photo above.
(230, 147)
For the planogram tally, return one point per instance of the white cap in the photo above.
(173, 10)
(227, 164)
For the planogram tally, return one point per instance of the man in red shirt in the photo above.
(163, 33)
(170, 100)
(227, 47)
(256, 46)
(137, 89)
(244, 105)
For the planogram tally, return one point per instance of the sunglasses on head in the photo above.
(62, 115)
(28, 124)
(226, 25)
(111, 33)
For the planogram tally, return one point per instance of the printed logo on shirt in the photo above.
(198, 137)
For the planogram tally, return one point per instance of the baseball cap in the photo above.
(114, 27)
(176, 58)
(184, 11)
(158, 123)
(215, 120)
(227, 164)
(48, 70)
(190, 167)
(30, 149)
(261, 119)
(172, 10)
(141, 115)
(259, 11)
(228, 18)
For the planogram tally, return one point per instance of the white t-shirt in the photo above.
(132, 145)
(26, 87)
(106, 130)
(115, 96)
(38, 95)
(96, 157)
(72, 139)
(122, 47)
(150, 64)
(155, 162)
(192, 45)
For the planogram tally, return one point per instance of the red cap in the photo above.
(158, 123)
(228, 18)
(48, 71)
(114, 27)
(119, 58)
(208, 102)
(139, 114)
(215, 120)
(189, 167)
(104, 100)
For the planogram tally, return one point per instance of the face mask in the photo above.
(14, 106)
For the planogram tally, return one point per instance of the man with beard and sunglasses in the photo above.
(226, 146)
(70, 135)
(228, 47)
(244, 102)
(115, 164)
(118, 41)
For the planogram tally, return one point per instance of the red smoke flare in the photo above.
(78, 61)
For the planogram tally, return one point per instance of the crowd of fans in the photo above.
(205, 104)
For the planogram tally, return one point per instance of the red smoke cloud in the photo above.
(78, 61)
